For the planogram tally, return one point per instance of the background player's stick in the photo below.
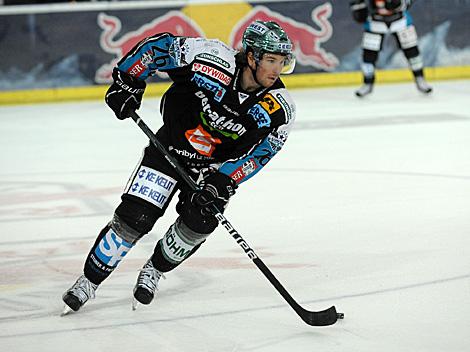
(320, 318)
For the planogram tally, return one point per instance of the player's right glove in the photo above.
(125, 94)
(216, 188)
(196, 208)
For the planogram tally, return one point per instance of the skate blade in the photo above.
(425, 91)
(135, 303)
(67, 310)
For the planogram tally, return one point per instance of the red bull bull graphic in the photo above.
(306, 39)
(173, 22)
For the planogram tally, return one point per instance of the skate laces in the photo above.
(83, 289)
(149, 277)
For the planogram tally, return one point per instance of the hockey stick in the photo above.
(321, 318)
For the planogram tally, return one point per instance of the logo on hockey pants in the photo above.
(112, 249)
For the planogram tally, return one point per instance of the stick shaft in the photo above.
(309, 317)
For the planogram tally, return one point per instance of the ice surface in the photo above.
(366, 208)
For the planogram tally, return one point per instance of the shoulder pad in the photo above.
(210, 50)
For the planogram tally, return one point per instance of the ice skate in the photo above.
(147, 282)
(365, 89)
(76, 296)
(422, 85)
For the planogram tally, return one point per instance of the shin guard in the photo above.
(179, 243)
(111, 246)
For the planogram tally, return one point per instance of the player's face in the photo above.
(269, 69)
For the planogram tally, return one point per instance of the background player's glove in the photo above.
(216, 188)
(125, 94)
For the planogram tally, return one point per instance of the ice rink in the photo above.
(367, 208)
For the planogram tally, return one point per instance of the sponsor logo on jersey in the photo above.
(190, 155)
(213, 58)
(248, 167)
(152, 186)
(178, 51)
(212, 72)
(260, 115)
(270, 104)
(210, 85)
(141, 65)
(221, 124)
(112, 249)
(230, 110)
(244, 170)
(275, 143)
(285, 105)
(202, 141)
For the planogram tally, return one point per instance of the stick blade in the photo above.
(321, 318)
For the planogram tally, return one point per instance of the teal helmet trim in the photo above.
(262, 37)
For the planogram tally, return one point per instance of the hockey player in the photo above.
(381, 17)
(225, 116)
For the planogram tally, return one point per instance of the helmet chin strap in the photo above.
(253, 72)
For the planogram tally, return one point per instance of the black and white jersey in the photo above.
(208, 118)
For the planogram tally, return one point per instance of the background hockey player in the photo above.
(381, 17)
(225, 116)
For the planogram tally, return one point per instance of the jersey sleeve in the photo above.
(249, 164)
(149, 56)
(165, 52)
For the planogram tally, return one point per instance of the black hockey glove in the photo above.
(194, 207)
(125, 94)
(393, 4)
(216, 188)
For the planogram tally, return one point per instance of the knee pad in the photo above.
(135, 217)
(372, 41)
(407, 38)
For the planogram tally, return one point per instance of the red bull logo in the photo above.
(173, 22)
(306, 39)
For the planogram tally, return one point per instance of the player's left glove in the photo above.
(125, 94)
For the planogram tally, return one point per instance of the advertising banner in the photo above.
(40, 49)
